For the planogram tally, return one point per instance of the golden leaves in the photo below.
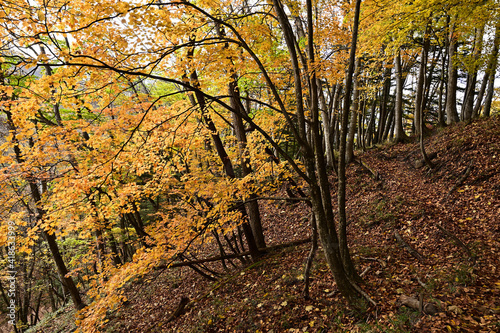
(105, 145)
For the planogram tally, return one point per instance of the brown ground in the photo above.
(464, 281)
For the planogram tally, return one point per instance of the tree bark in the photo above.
(341, 190)
(239, 129)
(354, 114)
(419, 98)
(384, 103)
(492, 66)
(327, 128)
(468, 105)
(314, 160)
(371, 124)
(451, 87)
(441, 112)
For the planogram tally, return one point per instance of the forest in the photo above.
(249, 166)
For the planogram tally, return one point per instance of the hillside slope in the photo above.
(449, 216)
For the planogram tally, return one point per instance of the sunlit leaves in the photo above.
(104, 126)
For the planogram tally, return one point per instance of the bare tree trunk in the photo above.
(492, 65)
(468, 105)
(419, 98)
(327, 128)
(384, 103)
(361, 129)
(425, 51)
(480, 95)
(451, 87)
(354, 114)
(371, 123)
(441, 112)
(341, 190)
(239, 129)
(314, 158)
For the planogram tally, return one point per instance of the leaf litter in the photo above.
(450, 220)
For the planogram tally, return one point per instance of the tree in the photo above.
(147, 125)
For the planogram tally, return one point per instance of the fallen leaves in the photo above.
(267, 298)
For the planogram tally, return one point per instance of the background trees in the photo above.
(136, 131)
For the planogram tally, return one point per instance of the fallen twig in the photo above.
(412, 251)
(416, 304)
(365, 271)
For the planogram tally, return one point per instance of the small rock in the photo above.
(455, 309)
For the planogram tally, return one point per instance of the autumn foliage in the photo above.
(133, 132)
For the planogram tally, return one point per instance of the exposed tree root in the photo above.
(460, 181)
(458, 242)
(363, 293)
(310, 257)
(179, 310)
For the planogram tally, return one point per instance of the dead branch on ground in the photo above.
(407, 247)
(419, 304)
(375, 174)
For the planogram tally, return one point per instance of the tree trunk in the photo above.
(371, 123)
(389, 124)
(468, 105)
(419, 98)
(314, 160)
(327, 128)
(441, 113)
(384, 103)
(480, 95)
(361, 130)
(226, 161)
(451, 87)
(492, 66)
(239, 129)
(354, 114)
(341, 190)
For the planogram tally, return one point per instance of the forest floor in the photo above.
(449, 215)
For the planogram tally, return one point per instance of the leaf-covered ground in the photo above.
(449, 215)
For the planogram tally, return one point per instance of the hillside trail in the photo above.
(448, 215)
